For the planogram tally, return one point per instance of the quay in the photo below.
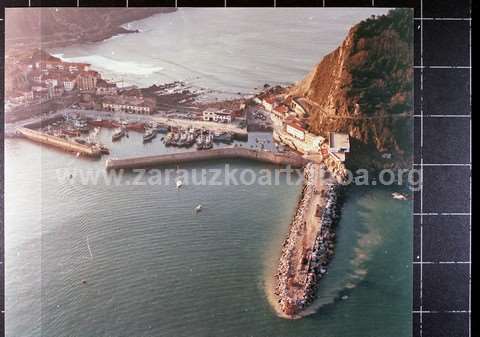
(58, 142)
(282, 159)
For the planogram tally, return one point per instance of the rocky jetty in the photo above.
(302, 264)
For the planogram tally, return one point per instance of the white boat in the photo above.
(198, 208)
(399, 196)
(179, 183)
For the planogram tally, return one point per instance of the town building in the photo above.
(339, 145)
(280, 112)
(292, 133)
(62, 66)
(300, 106)
(87, 80)
(22, 97)
(295, 128)
(216, 115)
(105, 88)
(68, 82)
(269, 103)
(131, 104)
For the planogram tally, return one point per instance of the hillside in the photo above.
(55, 27)
(365, 88)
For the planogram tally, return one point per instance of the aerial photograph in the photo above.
(208, 172)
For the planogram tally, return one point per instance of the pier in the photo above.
(58, 142)
(230, 153)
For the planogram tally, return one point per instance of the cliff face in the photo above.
(55, 27)
(365, 88)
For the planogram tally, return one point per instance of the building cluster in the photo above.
(289, 114)
(137, 104)
(51, 78)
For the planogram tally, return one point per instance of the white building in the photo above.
(135, 105)
(300, 106)
(268, 103)
(295, 128)
(339, 145)
(214, 115)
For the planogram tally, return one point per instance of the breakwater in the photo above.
(293, 160)
(309, 245)
(61, 143)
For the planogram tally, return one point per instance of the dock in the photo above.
(231, 153)
(58, 142)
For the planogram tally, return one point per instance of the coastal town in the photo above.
(64, 105)
(67, 100)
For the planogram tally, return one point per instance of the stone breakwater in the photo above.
(309, 246)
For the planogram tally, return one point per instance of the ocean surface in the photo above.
(98, 259)
(154, 268)
(227, 50)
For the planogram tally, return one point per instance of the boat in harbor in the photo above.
(208, 142)
(178, 183)
(71, 132)
(104, 149)
(149, 135)
(117, 135)
(222, 137)
(97, 122)
(198, 208)
(135, 126)
(162, 128)
(183, 139)
(200, 142)
(169, 139)
(399, 196)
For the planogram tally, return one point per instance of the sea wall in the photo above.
(205, 155)
(58, 142)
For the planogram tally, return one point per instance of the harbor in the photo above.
(89, 256)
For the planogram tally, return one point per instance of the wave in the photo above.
(111, 65)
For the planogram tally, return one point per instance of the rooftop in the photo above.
(339, 141)
(295, 123)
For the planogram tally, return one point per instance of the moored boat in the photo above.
(149, 135)
(117, 135)
(224, 137)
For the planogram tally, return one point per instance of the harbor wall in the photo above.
(43, 121)
(58, 142)
(194, 156)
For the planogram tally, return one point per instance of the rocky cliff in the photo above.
(55, 27)
(365, 88)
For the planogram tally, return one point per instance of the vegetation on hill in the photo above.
(365, 88)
